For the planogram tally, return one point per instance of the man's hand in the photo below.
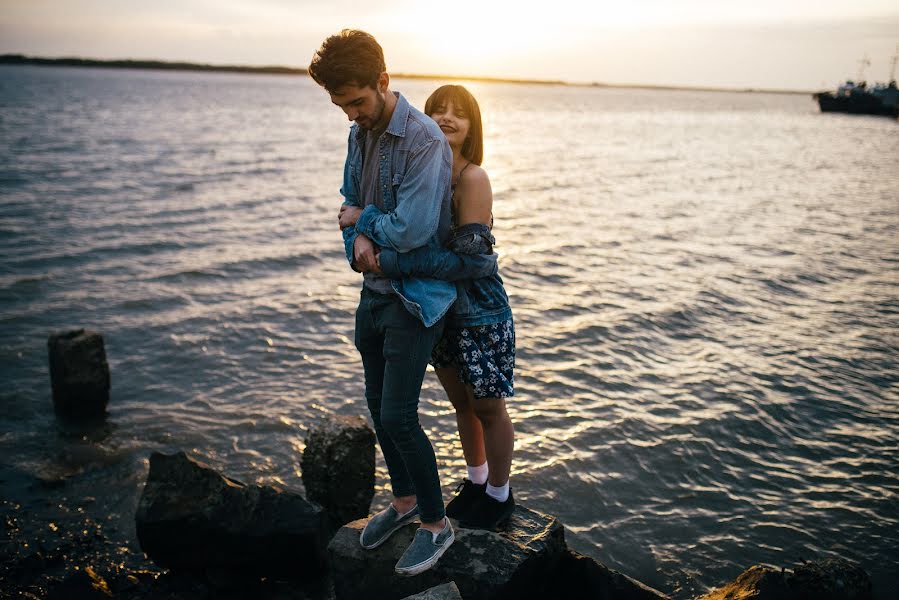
(377, 268)
(364, 255)
(348, 216)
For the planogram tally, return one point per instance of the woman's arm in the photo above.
(474, 197)
(436, 263)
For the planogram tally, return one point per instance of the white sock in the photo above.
(500, 494)
(478, 475)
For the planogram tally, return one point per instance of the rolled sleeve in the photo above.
(350, 197)
(349, 242)
(437, 263)
(418, 201)
(366, 221)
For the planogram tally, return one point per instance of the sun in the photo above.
(470, 36)
(501, 37)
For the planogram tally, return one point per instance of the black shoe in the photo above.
(467, 494)
(488, 513)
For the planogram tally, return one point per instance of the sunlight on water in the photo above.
(704, 288)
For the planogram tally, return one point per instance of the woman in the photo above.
(475, 358)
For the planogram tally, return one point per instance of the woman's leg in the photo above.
(499, 437)
(471, 433)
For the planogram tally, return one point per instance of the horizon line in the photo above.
(154, 64)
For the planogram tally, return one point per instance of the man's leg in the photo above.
(370, 343)
(407, 348)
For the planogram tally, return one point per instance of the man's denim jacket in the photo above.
(414, 167)
(470, 262)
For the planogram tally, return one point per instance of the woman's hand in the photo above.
(348, 216)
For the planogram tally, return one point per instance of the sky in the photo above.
(762, 44)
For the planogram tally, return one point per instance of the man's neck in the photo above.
(389, 107)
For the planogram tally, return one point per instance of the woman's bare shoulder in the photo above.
(474, 174)
(474, 180)
(474, 197)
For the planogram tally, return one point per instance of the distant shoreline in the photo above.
(21, 59)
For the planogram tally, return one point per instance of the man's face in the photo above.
(363, 105)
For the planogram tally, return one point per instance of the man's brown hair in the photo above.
(351, 57)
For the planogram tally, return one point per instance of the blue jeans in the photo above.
(395, 348)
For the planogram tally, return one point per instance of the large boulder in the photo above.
(579, 576)
(79, 373)
(483, 564)
(755, 583)
(338, 467)
(828, 579)
(447, 591)
(191, 517)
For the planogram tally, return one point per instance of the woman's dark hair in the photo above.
(351, 57)
(464, 103)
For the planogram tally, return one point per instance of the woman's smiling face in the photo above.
(453, 123)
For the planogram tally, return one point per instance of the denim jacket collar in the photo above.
(397, 124)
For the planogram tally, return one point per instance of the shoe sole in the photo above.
(425, 565)
(387, 535)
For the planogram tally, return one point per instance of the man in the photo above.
(396, 189)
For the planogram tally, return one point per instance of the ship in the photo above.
(858, 98)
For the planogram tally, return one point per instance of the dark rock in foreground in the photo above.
(579, 576)
(447, 591)
(338, 467)
(828, 579)
(191, 517)
(483, 564)
(81, 585)
(79, 373)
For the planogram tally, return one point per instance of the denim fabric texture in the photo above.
(415, 167)
(481, 299)
(438, 263)
(395, 348)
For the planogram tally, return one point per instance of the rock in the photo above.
(579, 576)
(828, 579)
(191, 517)
(81, 585)
(447, 591)
(483, 564)
(338, 467)
(79, 373)
(755, 583)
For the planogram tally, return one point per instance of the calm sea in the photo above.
(704, 284)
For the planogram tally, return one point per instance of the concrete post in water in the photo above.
(79, 373)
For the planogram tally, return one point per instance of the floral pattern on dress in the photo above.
(484, 357)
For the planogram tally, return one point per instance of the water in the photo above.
(704, 286)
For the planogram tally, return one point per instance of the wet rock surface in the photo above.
(447, 591)
(338, 467)
(579, 576)
(826, 579)
(483, 564)
(830, 579)
(191, 517)
(65, 557)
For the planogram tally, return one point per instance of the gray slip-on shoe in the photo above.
(382, 525)
(424, 551)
